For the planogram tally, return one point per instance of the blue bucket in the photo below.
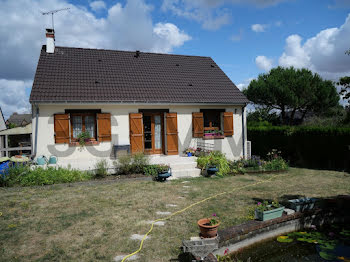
(4, 168)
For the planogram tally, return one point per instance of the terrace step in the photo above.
(185, 173)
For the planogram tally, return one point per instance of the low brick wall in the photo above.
(336, 210)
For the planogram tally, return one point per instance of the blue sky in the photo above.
(245, 37)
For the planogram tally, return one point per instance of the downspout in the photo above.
(243, 131)
(36, 130)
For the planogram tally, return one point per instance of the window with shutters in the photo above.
(83, 122)
(70, 125)
(212, 123)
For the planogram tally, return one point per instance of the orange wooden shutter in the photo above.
(104, 127)
(61, 127)
(136, 132)
(197, 124)
(171, 134)
(228, 123)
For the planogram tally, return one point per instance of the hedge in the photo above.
(304, 146)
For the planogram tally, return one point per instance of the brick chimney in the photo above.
(50, 40)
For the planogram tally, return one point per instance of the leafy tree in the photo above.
(263, 117)
(345, 90)
(292, 90)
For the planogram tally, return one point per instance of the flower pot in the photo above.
(189, 154)
(212, 170)
(303, 204)
(207, 231)
(270, 214)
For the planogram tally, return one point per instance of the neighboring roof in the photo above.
(2, 121)
(17, 130)
(19, 119)
(96, 75)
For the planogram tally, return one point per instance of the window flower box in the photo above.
(302, 204)
(266, 211)
(270, 214)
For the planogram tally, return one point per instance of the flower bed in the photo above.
(273, 163)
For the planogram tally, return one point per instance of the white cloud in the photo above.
(323, 53)
(245, 83)
(259, 28)
(126, 27)
(171, 34)
(13, 96)
(211, 14)
(199, 11)
(264, 63)
(98, 6)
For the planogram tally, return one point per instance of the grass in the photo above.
(94, 221)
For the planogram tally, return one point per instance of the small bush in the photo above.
(151, 170)
(24, 176)
(139, 162)
(124, 164)
(215, 158)
(101, 168)
(131, 164)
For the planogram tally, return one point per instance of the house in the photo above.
(2, 121)
(142, 102)
(19, 120)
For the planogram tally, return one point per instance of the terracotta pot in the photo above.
(207, 231)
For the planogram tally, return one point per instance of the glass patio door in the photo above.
(153, 133)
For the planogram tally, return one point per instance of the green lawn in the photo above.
(94, 221)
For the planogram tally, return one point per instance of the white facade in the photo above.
(232, 147)
(2, 121)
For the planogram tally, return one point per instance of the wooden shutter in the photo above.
(197, 124)
(61, 127)
(171, 134)
(228, 123)
(104, 127)
(136, 132)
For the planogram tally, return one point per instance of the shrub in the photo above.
(215, 158)
(131, 164)
(305, 146)
(124, 164)
(153, 170)
(139, 162)
(101, 168)
(25, 176)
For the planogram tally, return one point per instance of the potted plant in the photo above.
(190, 151)
(209, 133)
(266, 211)
(83, 137)
(209, 226)
(164, 172)
(213, 165)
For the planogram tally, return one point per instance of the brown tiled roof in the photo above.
(95, 75)
(19, 119)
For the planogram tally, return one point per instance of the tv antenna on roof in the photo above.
(52, 13)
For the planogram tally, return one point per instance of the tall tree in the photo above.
(293, 90)
(344, 82)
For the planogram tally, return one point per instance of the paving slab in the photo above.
(171, 205)
(163, 213)
(138, 237)
(120, 258)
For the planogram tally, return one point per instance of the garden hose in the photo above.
(190, 206)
